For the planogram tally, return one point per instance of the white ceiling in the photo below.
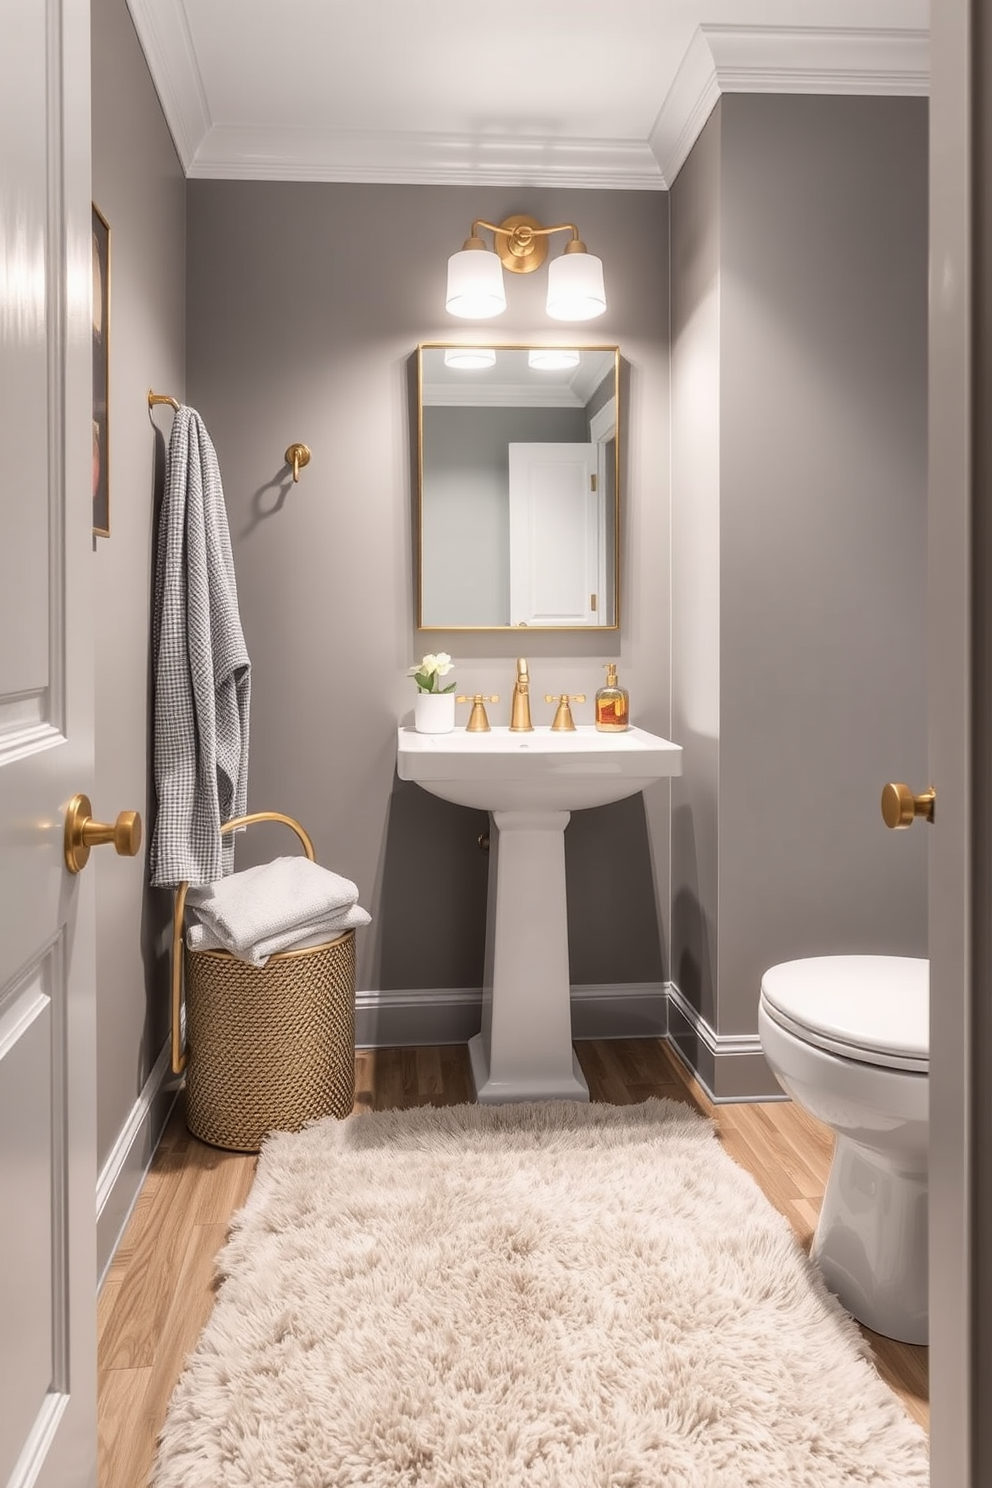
(588, 93)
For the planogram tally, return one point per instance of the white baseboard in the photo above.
(401, 1019)
(122, 1175)
(452, 1015)
(729, 1066)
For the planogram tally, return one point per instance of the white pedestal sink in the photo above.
(530, 783)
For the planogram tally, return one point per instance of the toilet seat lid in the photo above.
(875, 1009)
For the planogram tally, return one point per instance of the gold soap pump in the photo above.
(612, 704)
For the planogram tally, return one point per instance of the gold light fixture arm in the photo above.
(297, 455)
(521, 241)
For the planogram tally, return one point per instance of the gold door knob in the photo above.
(82, 833)
(900, 807)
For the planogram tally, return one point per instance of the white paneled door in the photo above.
(555, 535)
(47, 1014)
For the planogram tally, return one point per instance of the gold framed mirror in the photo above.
(518, 487)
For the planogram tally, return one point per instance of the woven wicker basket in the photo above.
(267, 1048)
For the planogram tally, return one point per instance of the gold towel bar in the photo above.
(161, 398)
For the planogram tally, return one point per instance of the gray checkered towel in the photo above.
(202, 670)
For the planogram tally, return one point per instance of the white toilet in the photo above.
(848, 1037)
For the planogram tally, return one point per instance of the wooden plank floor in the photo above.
(159, 1289)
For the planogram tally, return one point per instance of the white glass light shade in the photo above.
(475, 284)
(552, 358)
(575, 287)
(469, 358)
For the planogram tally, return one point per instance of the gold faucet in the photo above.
(520, 712)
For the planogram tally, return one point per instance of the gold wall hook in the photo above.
(478, 722)
(297, 455)
(900, 807)
(154, 398)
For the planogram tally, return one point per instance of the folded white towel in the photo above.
(260, 904)
(201, 937)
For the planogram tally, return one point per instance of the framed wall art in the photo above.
(101, 372)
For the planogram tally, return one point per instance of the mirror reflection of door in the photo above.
(555, 532)
(486, 562)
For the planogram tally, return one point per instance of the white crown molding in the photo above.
(235, 152)
(719, 59)
(164, 34)
(769, 59)
(690, 101)
(498, 395)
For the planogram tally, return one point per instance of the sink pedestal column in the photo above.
(524, 1051)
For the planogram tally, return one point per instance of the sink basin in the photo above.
(530, 784)
(544, 771)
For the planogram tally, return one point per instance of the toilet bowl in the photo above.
(848, 1037)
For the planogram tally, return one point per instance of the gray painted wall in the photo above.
(695, 288)
(789, 326)
(139, 186)
(812, 502)
(306, 302)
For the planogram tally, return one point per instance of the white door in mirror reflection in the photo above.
(557, 535)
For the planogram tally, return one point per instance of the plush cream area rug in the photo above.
(531, 1296)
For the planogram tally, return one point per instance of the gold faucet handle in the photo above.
(563, 715)
(478, 723)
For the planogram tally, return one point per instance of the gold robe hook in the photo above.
(154, 398)
(297, 455)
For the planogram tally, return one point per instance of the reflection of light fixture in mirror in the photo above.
(552, 358)
(469, 358)
(520, 244)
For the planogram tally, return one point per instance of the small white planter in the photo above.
(434, 712)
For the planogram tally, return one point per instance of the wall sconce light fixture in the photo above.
(520, 244)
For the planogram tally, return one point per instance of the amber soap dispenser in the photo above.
(612, 704)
